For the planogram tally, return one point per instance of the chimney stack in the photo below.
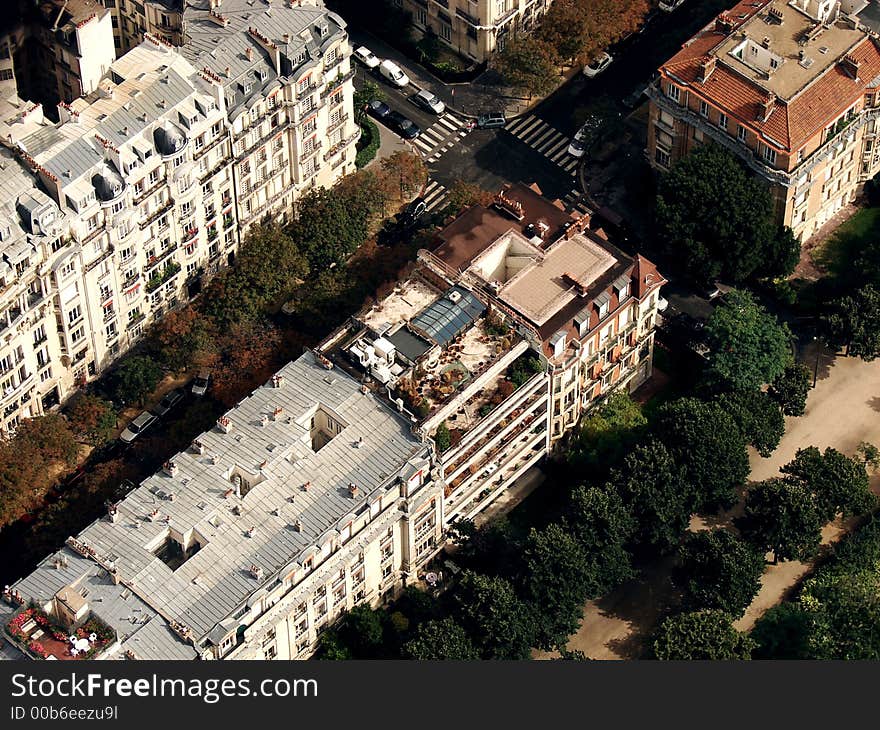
(249, 52)
(850, 65)
(707, 67)
(767, 107)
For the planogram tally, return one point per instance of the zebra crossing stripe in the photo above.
(535, 138)
(559, 151)
(443, 121)
(518, 124)
(549, 148)
(434, 195)
(527, 130)
(422, 144)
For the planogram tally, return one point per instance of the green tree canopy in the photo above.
(718, 570)
(839, 483)
(652, 486)
(557, 580)
(758, 416)
(136, 377)
(603, 526)
(781, 516)
(488, 608)
(607, 432)
(748, 346)
(706, 441)
(718, 220)
(790, 389)
(441, 639)
(705, 634)
(854, 322)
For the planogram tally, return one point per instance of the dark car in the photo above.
(406, 128)
(378, 109)
(412, 212)
(171, 399)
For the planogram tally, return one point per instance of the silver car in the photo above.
(137, 427)
(429, 101)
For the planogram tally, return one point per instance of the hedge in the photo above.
(366, 154)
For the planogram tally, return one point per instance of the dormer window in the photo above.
(602, 303)
(621, 287)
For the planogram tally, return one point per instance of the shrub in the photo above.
(367, 153)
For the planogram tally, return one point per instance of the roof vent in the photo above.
(257, 572)
(352, 490)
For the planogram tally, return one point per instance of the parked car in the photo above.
(578, 144)
(366, 57)
(171, 399)
(635, 97)
(378, 109)
(493, 120)
(667, 6)
(137, 427)
(710, 291)
(200, 384)
(405, 127)
(412, 212)
(429, 101)
(392, 73)
(598, 65)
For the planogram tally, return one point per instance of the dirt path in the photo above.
(843, 410)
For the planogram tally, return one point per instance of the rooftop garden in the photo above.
(40, 636)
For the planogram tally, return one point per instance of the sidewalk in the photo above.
(484, 94)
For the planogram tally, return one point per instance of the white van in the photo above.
(391, 72)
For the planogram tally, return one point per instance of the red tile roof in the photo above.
(791, 123)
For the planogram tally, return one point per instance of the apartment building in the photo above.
(132, 19)
(474, 28)
(791, 88)
(56, 50)
(310, 496)
(517, 323)
(159, 173)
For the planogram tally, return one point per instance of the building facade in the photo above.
(132, 20)
(309, 497)
(789, 87)
(474, 28)
(159, 173)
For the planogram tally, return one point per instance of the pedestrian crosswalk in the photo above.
(548, 141)
(434, 195)
(437, 139)
(574, 201)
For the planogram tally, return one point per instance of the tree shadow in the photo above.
(874, 403)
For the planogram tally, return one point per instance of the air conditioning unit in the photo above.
(454, 296)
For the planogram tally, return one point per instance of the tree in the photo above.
(406, 171)
(185, 338)
(608, 432)
(783, 632)
(705, 440)
(331, 647)
(705, 634)
(500, 624)
(363, 96)
(718, 220)
(718, 570)
(838, 483)
(443, 639)
(557, 580)
(442, 439)
(758, 416)
(250, 348)
(528, 63)
(790, 389)
(50, 435)
(361, 631)
(462, 194)
(603, 526)
(651, 484)
(493, 548)
(748, 347)
(854, 322)
(781, 517)
(136, 377)
(91, 419)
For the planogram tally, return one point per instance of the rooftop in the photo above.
(261, 490)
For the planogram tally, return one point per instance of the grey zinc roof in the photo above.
(370, 451)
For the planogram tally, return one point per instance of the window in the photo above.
(77, 335)
(704, 108)
(741, 133)
(673, 92)
(386, 571)
(770, 155)
(722, 121)
(68, 269)
(74, 314)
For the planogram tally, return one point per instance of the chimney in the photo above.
(767, 107)
(706, 68)
(723, 24)
(228, 72)
(850, 65)
(766, 42)
(249, 52)
(352, 490)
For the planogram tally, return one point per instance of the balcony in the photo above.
(336, 82)
(154, 261)
(136, 320)
(155, 215)
(339, 147)
(333, 126)
(160, 277)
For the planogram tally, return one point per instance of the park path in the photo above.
(842, 411)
